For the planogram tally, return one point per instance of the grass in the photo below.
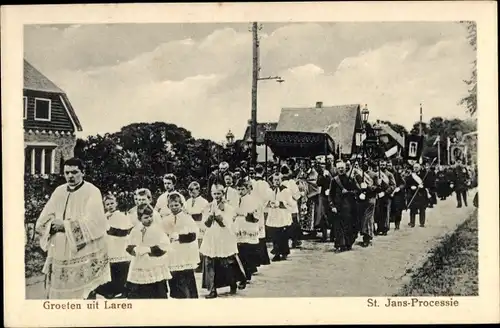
(452, 269)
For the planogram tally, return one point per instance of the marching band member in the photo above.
(119, 227)
(398, 197)
(279, 217)
(195, 206)
(366, 181)
(149, 268)
(184, 255)
(222, 266)
(417, 195)
(461, 182)
(246, 228)
(387, 185)
(169, 182)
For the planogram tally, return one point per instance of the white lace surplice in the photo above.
(247, 232)
(219, 241)
(280, 217)
(182, 256)
(197, 207)
(77, 259)
(262, 191)
(118, 225)
(146, 269)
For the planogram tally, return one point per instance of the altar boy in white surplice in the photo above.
(72, 229)
(221, 264)
(195, 206)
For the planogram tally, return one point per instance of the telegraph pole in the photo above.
(420, 125)
(255, 78)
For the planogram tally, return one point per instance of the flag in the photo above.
(392, 151)
(436, 141)
(413, 147)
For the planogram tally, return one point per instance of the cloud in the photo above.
(200, 78)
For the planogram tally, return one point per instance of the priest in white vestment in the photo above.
(72, 229)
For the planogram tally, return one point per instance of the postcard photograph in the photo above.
(251, 160)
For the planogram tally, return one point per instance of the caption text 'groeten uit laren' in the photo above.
(94, 305)
(412, 302)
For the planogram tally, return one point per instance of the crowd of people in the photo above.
(154, 249)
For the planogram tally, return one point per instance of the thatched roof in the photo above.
(337, 121)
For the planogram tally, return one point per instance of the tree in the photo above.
(470, 101)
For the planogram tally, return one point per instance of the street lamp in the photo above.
(230, 138)
(364, 114)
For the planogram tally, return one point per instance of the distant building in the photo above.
(261, 132)
(340, 122)
(50, 123)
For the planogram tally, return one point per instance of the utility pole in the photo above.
(420, 125)
(255, 78)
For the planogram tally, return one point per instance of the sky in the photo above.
(198, 76)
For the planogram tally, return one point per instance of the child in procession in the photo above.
(230, 194)
(246, 228)
(143, 197)
(149, 269)
(184, 255)
(295, 232)
(262, 191)
(169, 182)
(279, 217)
(119, 227)
(221, 266)
(195, 206)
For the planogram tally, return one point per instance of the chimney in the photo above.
(319, 104)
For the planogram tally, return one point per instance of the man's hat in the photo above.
(321, 159)
(224, 166)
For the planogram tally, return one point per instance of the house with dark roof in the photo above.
(49, 121)
(340, 122)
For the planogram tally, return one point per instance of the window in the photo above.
(39, 160)
(42, 109)
(25, 110)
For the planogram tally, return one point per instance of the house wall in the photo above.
(60, 119)
(65, 145)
